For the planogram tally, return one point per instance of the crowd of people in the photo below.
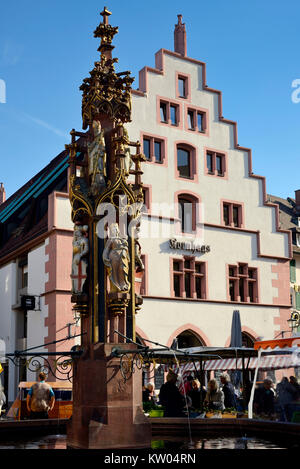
(269, 401)
(277, 402)
(194, 397)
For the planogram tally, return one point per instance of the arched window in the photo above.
(188, 339)
(183, 162)
(247, 340)
(186, 161)
(187, 212)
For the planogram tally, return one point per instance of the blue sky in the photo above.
(251, 49)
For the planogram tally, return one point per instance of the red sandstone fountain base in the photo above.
(107, 411)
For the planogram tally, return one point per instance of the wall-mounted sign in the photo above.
(188, 246)
(28, 302)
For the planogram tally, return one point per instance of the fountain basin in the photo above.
(287, 433)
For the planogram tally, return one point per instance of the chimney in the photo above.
(2, 193)
(180, 37)
(297, 200)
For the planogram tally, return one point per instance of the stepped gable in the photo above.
(160, 70)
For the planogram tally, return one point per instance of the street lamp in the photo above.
(294, 321)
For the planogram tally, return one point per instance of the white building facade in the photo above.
(211, 241)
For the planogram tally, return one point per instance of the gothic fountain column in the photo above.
(107, 409)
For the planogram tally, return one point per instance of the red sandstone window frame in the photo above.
(192, 161)
(195, 111)
(191, 200)
(232, 207)
(216, 156)
(242, 283)
(188, 273)
(155, 139)
(168, 103)
(187, 85)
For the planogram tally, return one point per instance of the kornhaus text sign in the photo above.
(188, 246)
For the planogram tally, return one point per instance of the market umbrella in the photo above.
(236, 341)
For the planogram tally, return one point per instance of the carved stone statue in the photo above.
(116, 258)
(97, 159)
(79, 261)
(137, 248)
(127, 160)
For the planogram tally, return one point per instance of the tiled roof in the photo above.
(20, 212)
(33, 187)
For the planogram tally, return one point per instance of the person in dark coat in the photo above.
(285, 395)
(230, 400)
(171, 398)
(264, 398)
(294, 383)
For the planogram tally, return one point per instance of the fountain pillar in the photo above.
(107, 409)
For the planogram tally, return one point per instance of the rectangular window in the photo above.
(232, 214)
(169, 112)
(24, 276)
(196, 120)
(189, 278)
(182, 87)
(242, 283)
(297, 300)
(23, 273)
(215, 163)
(176, 285)
(226, 214)
(293, 271)
(200, 121)
(235, 215)
(232, 272)
(154, 148)
(219, 165)
(157, 151)
(199, 287)
(251, 292)
(209, 162)
(232, 290)
(173, 115)
(191, 124)
(163, 112)
(241, 289)
(146, 148)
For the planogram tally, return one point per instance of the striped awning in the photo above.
(268, 362)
